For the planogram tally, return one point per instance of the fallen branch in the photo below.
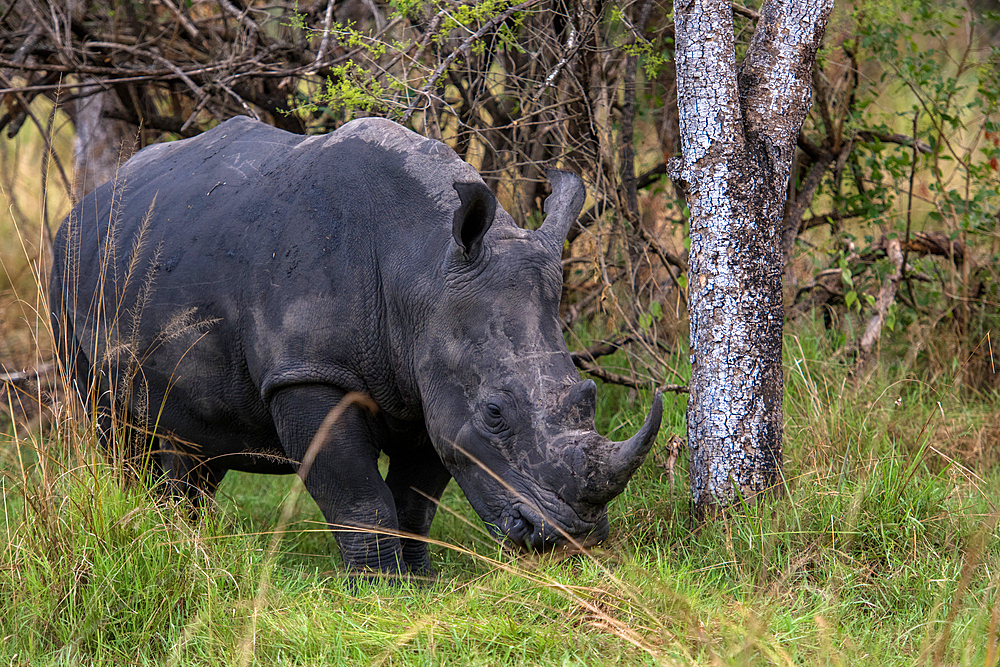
(886, 296)
(47, 371)
(826, 219)
(745, 11)
(826, 285)
(936, 243)
(920, 243)
(607, 376)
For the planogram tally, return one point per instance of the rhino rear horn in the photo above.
(473, 217)
(562, 207)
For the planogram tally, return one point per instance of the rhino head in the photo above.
(503, 403)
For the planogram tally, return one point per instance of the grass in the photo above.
(883, 550)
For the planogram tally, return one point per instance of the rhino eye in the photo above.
(494, 417)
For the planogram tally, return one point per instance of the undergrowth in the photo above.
(881, 548)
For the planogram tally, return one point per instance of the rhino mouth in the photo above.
(530, 531)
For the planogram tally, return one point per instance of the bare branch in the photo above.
(321, 52)
(616, 378)
(601, 349)
(901, 139)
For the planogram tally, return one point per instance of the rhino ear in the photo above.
(474, 217)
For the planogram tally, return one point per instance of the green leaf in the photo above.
(656, 310)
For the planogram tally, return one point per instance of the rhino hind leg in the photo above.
(124, 445)
(417, 478)
(343, 478)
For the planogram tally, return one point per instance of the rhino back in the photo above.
(248, 259)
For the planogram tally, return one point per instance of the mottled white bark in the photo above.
(738, 133)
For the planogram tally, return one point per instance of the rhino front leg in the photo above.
(189, 475)
(343, 479)
(417, 478)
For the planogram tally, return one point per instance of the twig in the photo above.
(573, 43)
(241, 16)
(644, 181)
(184, 21)
(575, 310)
(824, 106)
(246, 107)
(668, 259)
(628, 120)
(665, 255)
(376, 14)
(76, 69)
(909, 209)
(195, 88)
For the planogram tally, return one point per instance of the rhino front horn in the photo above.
(620, 460)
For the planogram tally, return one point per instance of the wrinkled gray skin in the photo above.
(274, 273)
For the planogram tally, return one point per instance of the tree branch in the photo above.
(901, 139)
(615, 378)
(601, 349)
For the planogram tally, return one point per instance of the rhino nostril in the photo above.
(517, 529)
(528, 534)
(540, 535)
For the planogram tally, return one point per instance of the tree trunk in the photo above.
(101, 145)
(738, 133)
